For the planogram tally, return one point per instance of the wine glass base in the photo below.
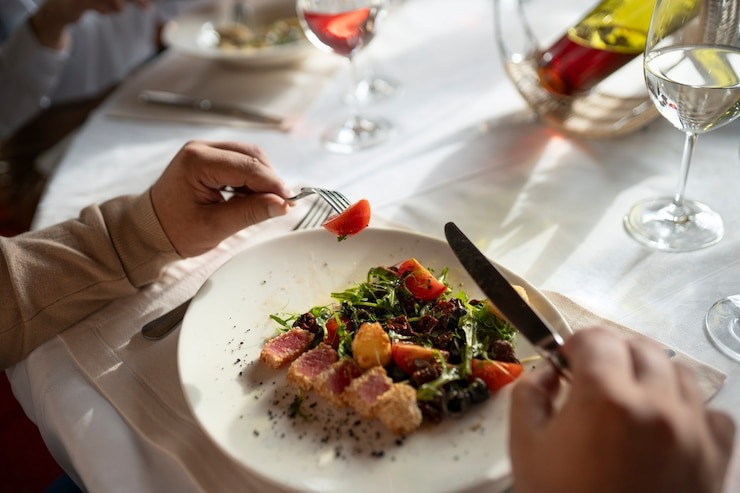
(660, 224)
(722, 324)
(356, 134)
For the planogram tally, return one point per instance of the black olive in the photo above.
(457, 402)
(478, 391)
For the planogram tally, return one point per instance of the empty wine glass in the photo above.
(345, 27)
(723, 324)
(692, 70)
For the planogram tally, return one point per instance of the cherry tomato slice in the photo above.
(405, 356)
(350, 222)
(332, 338)
(496, 374)
(419, 281)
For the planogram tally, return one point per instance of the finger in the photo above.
(722, 429)
(240, 212)
(599, 360)
(651, 366)
(532, 400)
(246, 149)
(248, 173)
(688, 386)
(217, 168)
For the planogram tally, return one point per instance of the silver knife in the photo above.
(201, 104)
(546, 341)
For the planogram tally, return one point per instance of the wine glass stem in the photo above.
(688, 154)
(354, 79)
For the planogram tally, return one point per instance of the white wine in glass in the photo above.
(692, 72)
(345, 27)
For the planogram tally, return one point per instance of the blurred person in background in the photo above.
(59, 59)
(59, 51)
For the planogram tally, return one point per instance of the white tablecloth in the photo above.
(466, 149)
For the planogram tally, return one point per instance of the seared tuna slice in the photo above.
(332, 383)
(304, 370)
(286, 347)
(363, 392)
(397, 409)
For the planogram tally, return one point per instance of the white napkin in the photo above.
(710, 379)
(285, 91)
(140, 378)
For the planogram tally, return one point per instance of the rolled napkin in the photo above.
(710, 379)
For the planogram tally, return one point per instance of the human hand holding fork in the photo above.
(329, 202)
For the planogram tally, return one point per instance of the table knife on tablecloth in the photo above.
(209, 106)
(546, 341)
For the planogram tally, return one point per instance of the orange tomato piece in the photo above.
(405, 355)
(419, 281)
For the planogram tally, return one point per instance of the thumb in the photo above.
(242, 211)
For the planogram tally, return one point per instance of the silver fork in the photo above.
(336, 200)
(328, 202)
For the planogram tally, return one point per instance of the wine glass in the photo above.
(373, 87)
(722, 323)
(692, 71)
(345, 27)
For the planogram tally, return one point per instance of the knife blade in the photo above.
(209, 106)
(546, 341)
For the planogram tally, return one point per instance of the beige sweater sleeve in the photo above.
(52, 278)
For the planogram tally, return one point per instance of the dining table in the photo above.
(546, 204)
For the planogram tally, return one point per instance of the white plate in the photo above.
(243, 405)
(194, 33)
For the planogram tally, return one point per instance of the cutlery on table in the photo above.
(330, 202)
(205, 105)
(546, 341)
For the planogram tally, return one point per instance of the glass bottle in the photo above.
(607, 38)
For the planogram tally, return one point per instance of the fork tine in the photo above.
(315, 216)
(308, 217)
(336, 200)
(340, 198)
(321, 215)
(329, 197)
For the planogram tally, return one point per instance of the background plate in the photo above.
(243, 405)
(194, 33)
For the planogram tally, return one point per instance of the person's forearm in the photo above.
(53, 278)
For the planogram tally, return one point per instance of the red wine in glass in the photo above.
(343, 32)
